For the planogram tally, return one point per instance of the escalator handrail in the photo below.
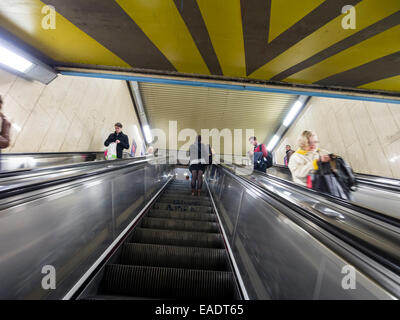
(368, 248)
(342, 202)
(12, 191)
(61, 167)
(366, 179)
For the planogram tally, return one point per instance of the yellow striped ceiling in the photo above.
(289, 41)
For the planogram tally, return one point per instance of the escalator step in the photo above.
(174, 224)
(152, 255)
(167, 282)
(185, 197)
(178, 238)
(179, 200)
(182, 207)
(196, 216)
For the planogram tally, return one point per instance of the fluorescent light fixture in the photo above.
(13, 60)
(138, 137)
(293, 113)
(271, 145)
(147, 133)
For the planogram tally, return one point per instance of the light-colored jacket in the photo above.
(204, 156)
(302, 163)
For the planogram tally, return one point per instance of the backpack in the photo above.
(262, 163)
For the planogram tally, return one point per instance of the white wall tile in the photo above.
(6, 81)
(70, 114)
(26, 93)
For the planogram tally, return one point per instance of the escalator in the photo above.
(131, 230)
(176, 251)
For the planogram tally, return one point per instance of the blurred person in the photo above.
(199, 157)
(119, 138)
(305, 160)
(259, 154)
(5, 128)
(289, 153)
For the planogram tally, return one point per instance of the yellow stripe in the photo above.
(376, 47)
(315, 164)
(285, 13)
(389, 84)
(66, 43)
(367, 11)
(164, 26)
(301, 151)
(223, 20)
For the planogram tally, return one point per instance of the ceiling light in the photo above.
(271, 145)
(147, 133)
(13, 60)
(293, 113)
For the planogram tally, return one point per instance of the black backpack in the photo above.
(261, 163)
(269, 160)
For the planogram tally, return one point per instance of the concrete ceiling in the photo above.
(297, 42)
(208, 108)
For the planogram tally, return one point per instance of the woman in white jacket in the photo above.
(305, 159)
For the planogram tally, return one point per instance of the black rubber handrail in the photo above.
(342, 202)
(365, 247)
(51, 169)
(13, 191)
(367, 179)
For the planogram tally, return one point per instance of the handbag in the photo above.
(111, 152)
(326, 181)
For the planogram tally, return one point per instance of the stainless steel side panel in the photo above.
(68, 228)
(276, 258)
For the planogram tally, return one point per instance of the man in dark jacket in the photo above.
(289, 153)
(119, 138)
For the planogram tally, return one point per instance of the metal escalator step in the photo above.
(167, 282)
(182, 207)
(189, 202)
(195, 216)
(175, 224)
(152, 255)
(185, 197)
(177, 238)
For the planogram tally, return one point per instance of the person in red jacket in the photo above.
(259, 148)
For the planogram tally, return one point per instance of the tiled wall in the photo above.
(70, 114)
(366, 134)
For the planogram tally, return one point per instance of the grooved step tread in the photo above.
(184, 215)
(142, 254)
(187, 202)
(177, 238)
(182, 207)
(175, 224)
(185, 197)
(167, 282)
